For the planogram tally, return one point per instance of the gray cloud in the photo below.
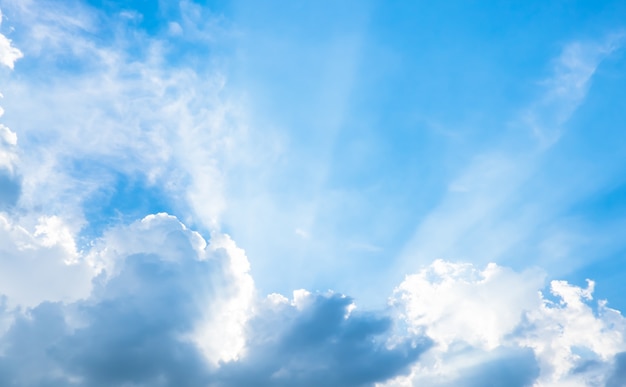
(129, 333)
(321, 346)
(618, 376)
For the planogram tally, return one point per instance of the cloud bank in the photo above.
(168, 308)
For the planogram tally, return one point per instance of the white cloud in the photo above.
(567, 88)
(173, 124)
(8, 53)
(458, 302)
(40, 264)
(475, 316)
(8, 141)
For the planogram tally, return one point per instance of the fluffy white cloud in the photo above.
(480, 318)
(164, 309)
(41, 264)
(458, 302)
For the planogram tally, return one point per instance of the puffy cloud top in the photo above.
(480, 318)
(169, 309)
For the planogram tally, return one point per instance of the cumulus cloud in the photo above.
(318, 340)
(40, 264)
(138, 326)
(480, 317)
(171, 309)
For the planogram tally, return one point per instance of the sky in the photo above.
(312, 193)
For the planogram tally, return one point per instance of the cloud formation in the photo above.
(135, 112)
(169, 309)
(8, 53)
(478, 318)
(319, 340)
(145, 319)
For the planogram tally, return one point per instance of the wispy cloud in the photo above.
(168, 123)
(490, 206)
(567, 88)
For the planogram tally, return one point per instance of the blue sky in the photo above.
(267, 186)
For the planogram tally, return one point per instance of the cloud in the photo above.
(457, 301)
(500, 201)
(10, 182)
(494, 314)
(8, 54)
(167, 308)
(39, 263)
(145, 318)
(137, 110)
(317, 340)
(568, 86)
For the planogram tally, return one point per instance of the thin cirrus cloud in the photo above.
(102, 134)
